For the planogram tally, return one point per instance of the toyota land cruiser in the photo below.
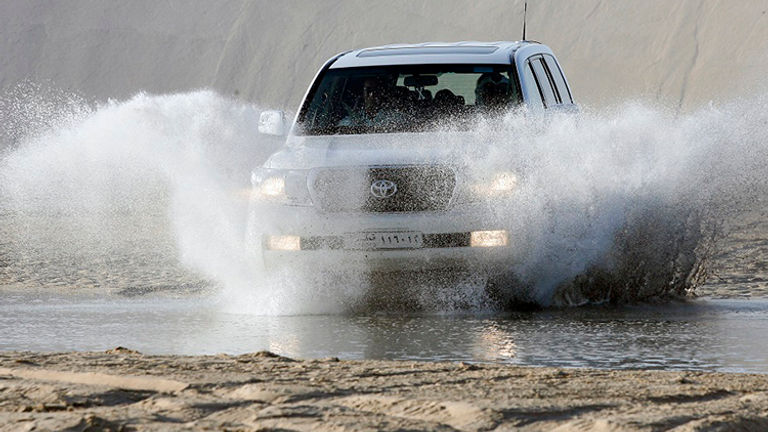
(369, 174)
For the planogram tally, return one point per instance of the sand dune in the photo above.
(682, 53)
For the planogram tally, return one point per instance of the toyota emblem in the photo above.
(383, 188)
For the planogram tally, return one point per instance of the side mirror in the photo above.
(272, 123)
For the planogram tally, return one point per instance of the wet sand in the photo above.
(125, 390)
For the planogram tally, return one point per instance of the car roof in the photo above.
(467, 52)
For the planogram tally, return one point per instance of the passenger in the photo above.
(492, 92)
(446, 102)
(377, 109)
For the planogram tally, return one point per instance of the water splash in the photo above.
(143, 196)
(117, 195)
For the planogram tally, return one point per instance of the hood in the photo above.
(306, 152)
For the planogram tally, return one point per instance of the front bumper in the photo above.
(394, 240)
(449, 251)
(316, 240)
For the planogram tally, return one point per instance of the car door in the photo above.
(544, 81)
(556, 73)
(531, 88)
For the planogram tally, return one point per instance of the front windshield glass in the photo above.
(407, 98)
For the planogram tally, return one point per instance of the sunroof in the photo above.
(468, 49)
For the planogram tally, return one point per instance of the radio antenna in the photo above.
(525, 16)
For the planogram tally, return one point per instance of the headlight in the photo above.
(501, 183)
(272, 187)
(280, 186)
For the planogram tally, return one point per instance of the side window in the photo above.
(557, 76)
(531, 88)
(547, 90)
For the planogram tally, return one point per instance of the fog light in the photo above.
(283, 242)
(488, 238)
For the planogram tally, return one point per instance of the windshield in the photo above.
(406, 98)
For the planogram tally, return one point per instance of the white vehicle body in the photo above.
(447, 227)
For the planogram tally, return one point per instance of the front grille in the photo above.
(419, 188)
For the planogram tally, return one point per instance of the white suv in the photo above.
(368, 175)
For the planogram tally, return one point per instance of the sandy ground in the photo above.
(124, 390)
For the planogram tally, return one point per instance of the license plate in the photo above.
(387, 240)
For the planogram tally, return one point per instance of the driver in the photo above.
(377, 107)
(492, 92)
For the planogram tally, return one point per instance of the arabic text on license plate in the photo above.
(394, 240)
